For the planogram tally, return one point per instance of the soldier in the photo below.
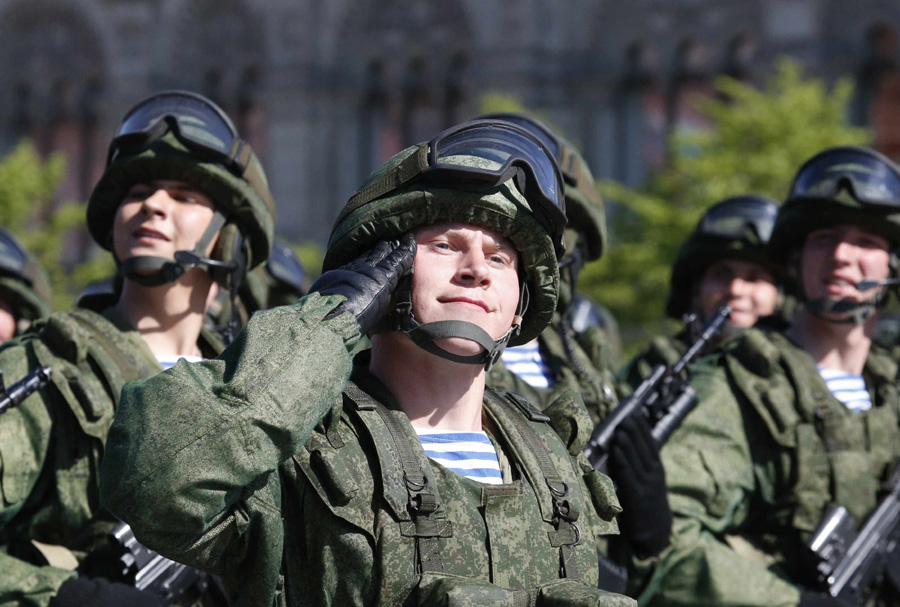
(789, 422)
(182, 203)
(722, 262)
(304, 473)
(564, 358)
(24, 288)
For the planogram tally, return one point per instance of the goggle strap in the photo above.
(404, 172)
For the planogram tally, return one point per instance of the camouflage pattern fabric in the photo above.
(264, 467)
(52, 444)
(660, 351)
(752, 469)
(595, 386)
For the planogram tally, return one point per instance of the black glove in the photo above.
(368, 281)
(634, 465)
(97, 592)
(809, 598)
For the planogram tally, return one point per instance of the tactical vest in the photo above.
(91, 356)
(399, 526)
(838, 456)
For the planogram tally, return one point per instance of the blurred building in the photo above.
(327, 89)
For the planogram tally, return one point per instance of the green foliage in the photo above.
(48, 230)
(756, 142)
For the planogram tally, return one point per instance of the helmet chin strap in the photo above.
(425, 334)
(152, 271)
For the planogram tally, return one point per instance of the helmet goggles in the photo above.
(195, 122)
(520, 156)
(870, 177)
(736, 217)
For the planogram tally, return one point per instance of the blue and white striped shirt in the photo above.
(848, 388)
(526, 362)
(168, 361)
(469, 454)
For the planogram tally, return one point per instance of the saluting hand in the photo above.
(368, 281)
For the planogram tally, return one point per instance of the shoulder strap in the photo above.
(567, 534)
(423, 500)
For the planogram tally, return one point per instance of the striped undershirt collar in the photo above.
(469, 454)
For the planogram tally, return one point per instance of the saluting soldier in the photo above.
(305, 472)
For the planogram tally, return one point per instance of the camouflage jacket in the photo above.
(591, 375)
(752, 469)
(299, 487)
(51, 446)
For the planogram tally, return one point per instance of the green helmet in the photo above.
(24, 285)
(735, 228)
(846, 185)
(400, 196)
(182, 136)
(584, 206)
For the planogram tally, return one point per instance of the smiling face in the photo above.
(746, 286)
(834, 259)
(466, 273)
(160, 218)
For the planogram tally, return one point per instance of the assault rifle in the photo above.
(849, 564)
(665, 397)
(146, 570)
(19, 391)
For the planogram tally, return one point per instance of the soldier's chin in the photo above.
(459, 346)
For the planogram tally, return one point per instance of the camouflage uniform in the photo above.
(580, 358)
(51, 445)
(769, 447)
(753, 467)
(300, 481)
(302, 499)
(593, 381)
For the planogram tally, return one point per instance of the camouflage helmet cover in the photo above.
(745, 240)
(245, 201)
(501, 209)
(803, 213)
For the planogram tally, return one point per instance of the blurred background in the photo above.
(675, 104)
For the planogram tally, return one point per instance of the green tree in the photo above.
(28, 208)
(756, 141)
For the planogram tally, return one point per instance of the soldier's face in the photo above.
(159, 218)
(834, 259)
(7, 322)
(747, 287)
(467, 273)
